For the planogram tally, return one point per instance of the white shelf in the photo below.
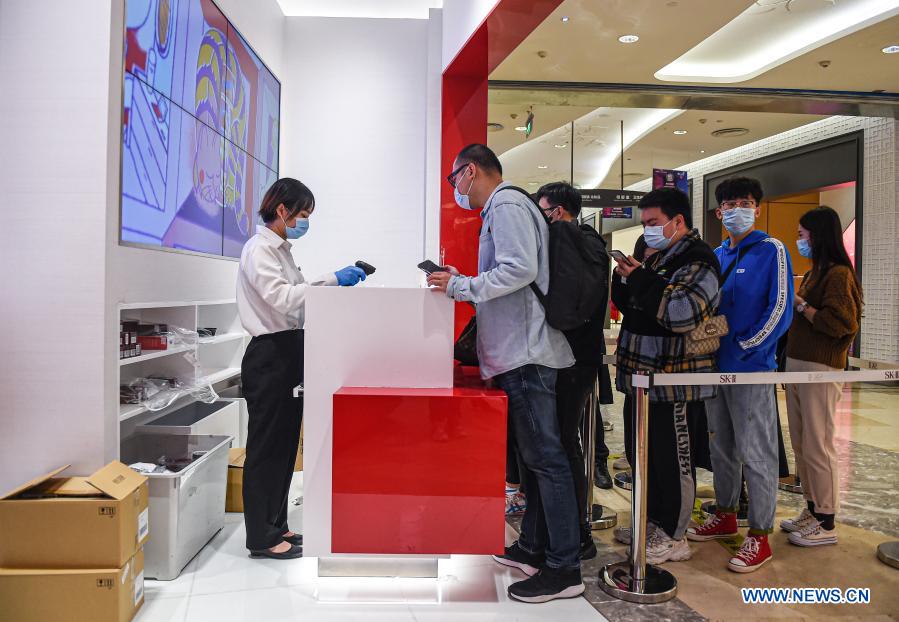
(156, 354)
(176, 303)
(222, 338)
(126, 411)
(220, 375)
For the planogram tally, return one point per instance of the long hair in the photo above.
(823, 223)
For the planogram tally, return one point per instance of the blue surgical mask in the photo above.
(805, 248)
(298, 230)
(739, 220)
(655, 237)
(463, 200)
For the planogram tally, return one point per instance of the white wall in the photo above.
(880, 274)
(461, 18)
(54, 123)
(354, 130)
(63, 270)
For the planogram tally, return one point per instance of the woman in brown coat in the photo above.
(828, 312)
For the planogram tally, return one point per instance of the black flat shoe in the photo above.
(294, 552)
(296, 539)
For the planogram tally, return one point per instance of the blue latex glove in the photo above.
(349, 276)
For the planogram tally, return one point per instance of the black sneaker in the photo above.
(601, 477)
(588, 548)
(548, 584)
(516, 557)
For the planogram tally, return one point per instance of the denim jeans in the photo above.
(550, 523)
(743, 433)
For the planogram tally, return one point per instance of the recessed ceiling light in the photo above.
(702, 151)
(521, 128)
(542, 166)
(680, 132)
(533, 183)
(560, 146)
(628, 39)
(565, 19)
(890, 49)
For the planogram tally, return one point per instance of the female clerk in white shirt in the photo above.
(271, 294)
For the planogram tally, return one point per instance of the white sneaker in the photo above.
(813, 535)
(624, 535)
(660, 549)
(621, 464)
(799, 523)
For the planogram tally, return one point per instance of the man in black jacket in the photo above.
(561, 201)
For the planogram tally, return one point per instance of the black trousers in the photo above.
(272, 366)
(671, 480)
(573, 389)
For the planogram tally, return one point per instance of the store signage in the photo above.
(666, 178)
(618, 212)
(600, 198)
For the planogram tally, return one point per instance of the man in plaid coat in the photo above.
(662, 299)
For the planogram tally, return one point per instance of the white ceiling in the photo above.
(791, 28)
(387, 9)
(586, 48)
(650, 143)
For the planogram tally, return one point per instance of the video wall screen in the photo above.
(201, 116)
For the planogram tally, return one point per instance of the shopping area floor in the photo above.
(222, 584)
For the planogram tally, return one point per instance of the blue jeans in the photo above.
(550, 523)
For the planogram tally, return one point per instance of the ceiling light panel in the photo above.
(597, 144)
(768, 34)
(387, 9)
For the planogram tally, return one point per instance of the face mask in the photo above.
(462, 200)
(805, 249)
(739, 220)
(655, 236)
(298, 230)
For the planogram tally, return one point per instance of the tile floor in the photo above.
(222, 584)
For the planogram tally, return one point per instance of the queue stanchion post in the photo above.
(634, 580)
(888, 553)
(596, 513)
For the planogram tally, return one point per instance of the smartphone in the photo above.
(367, 268)
(429, 267)
(618, 256)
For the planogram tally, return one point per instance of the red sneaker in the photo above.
(754, 554)
(719, 525)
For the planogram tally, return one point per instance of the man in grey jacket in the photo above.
(521, 353)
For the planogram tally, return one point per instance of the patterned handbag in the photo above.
(706, 338)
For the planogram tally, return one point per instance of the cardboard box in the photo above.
(99, 521)
(73, 595)
(234, 493)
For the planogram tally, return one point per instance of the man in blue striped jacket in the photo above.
(756, 298)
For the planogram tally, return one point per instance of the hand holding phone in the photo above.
(429, 267)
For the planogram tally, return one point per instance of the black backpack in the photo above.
(578, 274)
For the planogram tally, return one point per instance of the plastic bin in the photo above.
(235, 394)
(221, 417)
(186, 508)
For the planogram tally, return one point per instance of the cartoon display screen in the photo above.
(200, 129)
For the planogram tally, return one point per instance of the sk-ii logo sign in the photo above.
(727, 379)
(891, 375)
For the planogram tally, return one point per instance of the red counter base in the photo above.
(418, 471)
